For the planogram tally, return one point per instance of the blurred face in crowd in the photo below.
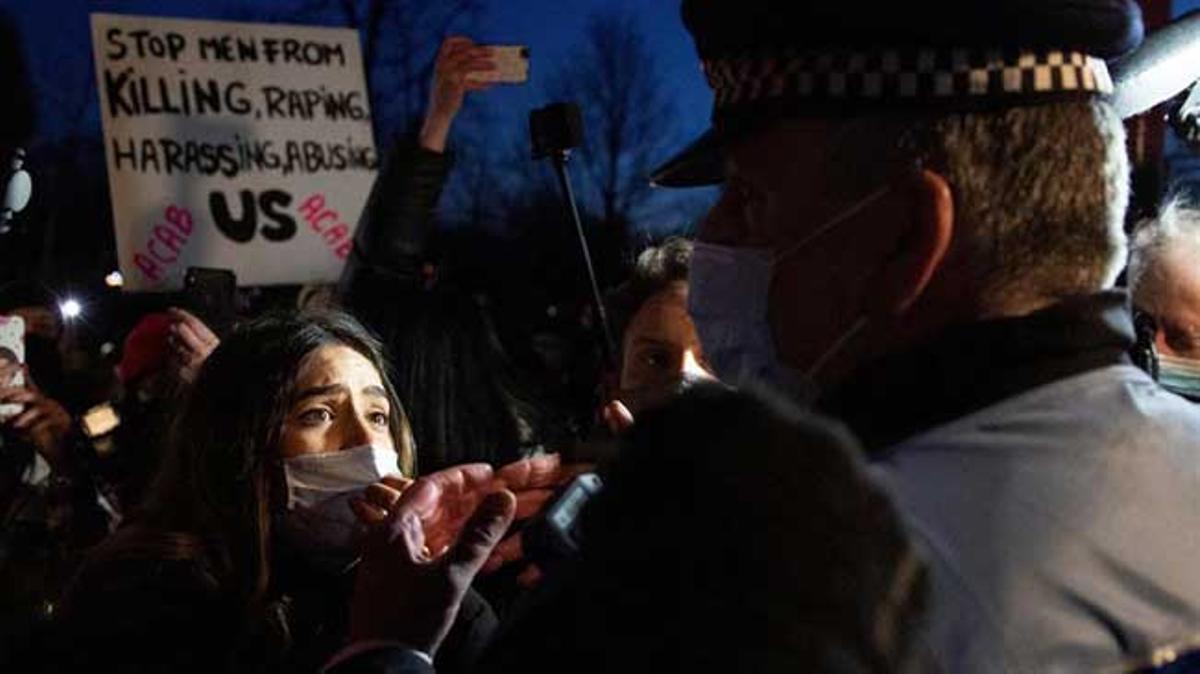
(340, 403)
(660, 347)
(1177, 303)
(844, 239)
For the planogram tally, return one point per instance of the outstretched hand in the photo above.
(532, 481)
(535, 480)
(418, 563)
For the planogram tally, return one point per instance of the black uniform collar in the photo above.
(970, 367)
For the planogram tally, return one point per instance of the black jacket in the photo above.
(466, 399)
(155, 615)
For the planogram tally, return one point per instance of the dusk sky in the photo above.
(56, 33)
(56, 39)
(57, 42)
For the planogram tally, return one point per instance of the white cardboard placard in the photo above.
(243, 146)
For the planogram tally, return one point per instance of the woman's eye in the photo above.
(378, 418)
(657, 359)
(315, 416)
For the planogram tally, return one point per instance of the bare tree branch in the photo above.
(615, 77)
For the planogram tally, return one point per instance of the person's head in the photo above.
(317, 296)
(732, 534)
(925, 187)
(144, 355)
(1164, 277)
(659, 345)
(466, 399)
(279, 388)
(975, 215)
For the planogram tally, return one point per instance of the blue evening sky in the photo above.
(57, 40)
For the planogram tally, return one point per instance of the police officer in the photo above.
(921, 219)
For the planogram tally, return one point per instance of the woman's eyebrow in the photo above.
(375, 390)
(653, 341)
(316, 391)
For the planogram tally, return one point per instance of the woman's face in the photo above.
(661, 345)
(340, 403)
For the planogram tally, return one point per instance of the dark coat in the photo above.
(466, 399)
(144, 615)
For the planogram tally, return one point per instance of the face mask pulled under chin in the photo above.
(318, 522)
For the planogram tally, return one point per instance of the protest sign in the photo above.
(242, 146)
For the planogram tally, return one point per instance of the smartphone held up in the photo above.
(12, 357)
(512, 65)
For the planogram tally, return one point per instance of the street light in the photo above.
(70, 308)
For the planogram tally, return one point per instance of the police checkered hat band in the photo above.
(935, 76)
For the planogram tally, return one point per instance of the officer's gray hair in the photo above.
(1176, 226)
(1039, 193)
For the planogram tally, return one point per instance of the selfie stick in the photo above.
(557, 129)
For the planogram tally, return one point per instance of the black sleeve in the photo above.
(381, 283)
(383, 660)
(471, 633)
(393, 235)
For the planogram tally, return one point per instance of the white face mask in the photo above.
(318, 520)
(728, 290)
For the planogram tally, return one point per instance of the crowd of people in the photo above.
(891, 410)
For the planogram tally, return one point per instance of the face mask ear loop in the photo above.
(837, 220)
(836, 347)
(281, 475)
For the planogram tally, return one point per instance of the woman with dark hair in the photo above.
(242, 556)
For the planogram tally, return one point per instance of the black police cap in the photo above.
(768, 59)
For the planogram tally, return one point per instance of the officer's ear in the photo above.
(922, 230)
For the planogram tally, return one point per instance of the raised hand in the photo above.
(190, 342)
(457, 58)
(43, 422)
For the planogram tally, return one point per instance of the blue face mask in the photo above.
(1180, 375)
(728, 289)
